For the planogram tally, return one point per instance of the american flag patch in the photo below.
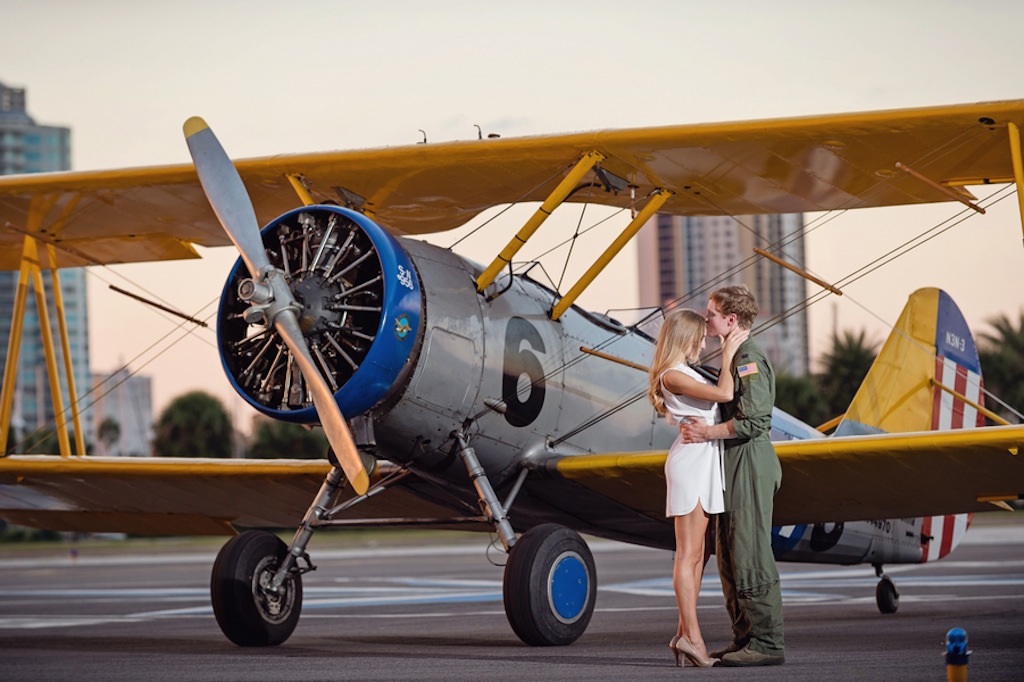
(747, 370)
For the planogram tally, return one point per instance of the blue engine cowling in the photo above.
(361, 309)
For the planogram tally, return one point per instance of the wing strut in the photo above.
(792, 268)
(656, 201)
(31, 269)
(557, 196)
(14, 345)
(1018, 167)
(613, 358)
(948, 191)
(300, 188)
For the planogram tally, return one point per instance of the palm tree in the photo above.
(800, 397)
(845, 367)
(109, 432)
(194, 424)
(1001, 352)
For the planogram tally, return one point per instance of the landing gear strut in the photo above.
(256, 586)
(550, 584)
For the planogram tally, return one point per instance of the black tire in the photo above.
(246, 613)
(550, 586)
(886, 596)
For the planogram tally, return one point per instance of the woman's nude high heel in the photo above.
(675, 651)
(686, 649)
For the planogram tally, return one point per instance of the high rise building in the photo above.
(682, 259)
(126, 401)
(26, 147)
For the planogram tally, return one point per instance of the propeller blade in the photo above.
(226, 193)
(230, 201)
(331, 418)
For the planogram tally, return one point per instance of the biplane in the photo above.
(462, 395)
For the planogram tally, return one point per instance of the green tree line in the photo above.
(817, 398)
(196, 424)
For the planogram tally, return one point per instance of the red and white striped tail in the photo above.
(945, 532)
(950, 412)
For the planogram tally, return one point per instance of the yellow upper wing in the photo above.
(845, 479)
(775, 166)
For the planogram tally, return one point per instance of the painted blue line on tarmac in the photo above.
(478, 597)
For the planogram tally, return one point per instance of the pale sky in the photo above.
(312, 75)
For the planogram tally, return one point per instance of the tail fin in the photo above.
(930, 347)
(930, 352)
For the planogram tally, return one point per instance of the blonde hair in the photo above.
(678, 341)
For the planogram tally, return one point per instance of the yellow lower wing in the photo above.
(163, 496)
(844, 479)
(834, 479)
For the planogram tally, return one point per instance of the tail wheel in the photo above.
(247, 612)
(886, 596)
(550, 586)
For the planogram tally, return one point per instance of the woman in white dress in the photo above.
(693, 471)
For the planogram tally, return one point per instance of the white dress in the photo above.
(693, 471)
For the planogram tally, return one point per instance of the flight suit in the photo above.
(750, 578)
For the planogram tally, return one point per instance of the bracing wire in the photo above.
(123, 373)
(507, 208)
(871, 267)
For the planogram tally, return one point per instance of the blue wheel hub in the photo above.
(568, 587)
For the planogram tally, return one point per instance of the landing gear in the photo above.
(886, 596)
(550, 582)
(550, 586)
(256, 585)
(248, 611)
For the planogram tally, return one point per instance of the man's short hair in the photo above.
(736, 300)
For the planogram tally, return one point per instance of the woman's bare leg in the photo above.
(687, 573)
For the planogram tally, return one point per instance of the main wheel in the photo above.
(550, 586)
(886, 596)
(247, 612)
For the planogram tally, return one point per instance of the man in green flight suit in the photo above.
(750, 579)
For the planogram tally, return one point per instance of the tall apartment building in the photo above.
(682, 259)
(26, 147)
(128, 401)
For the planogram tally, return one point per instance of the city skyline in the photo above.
(31, 146)
(683, 258)
(447, 68)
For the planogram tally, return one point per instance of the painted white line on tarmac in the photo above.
(160, 559)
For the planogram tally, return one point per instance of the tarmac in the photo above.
(429, 607)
